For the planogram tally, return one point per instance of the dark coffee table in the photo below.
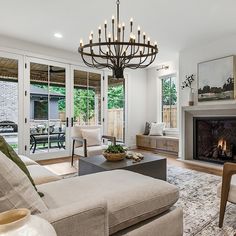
(152, 165)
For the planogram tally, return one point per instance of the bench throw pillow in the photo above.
(11, 154)
(16, 190)
(147, 128)
(157, 129)
(93, 136)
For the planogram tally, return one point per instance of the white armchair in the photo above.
(81, 147)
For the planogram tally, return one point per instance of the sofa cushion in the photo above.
(91, 151)
(27, 160)
(16, 190)
(232, 191)
(131, 197)
(41, 175)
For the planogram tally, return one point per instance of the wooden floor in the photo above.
(63, 166)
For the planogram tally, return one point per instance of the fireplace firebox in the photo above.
(214, 139)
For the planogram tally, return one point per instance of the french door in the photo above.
(11, 97)
(48, 110)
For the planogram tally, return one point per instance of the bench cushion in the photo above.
(232, 191)
(131, 197)
(41, 175)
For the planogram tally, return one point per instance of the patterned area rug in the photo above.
(200, 203)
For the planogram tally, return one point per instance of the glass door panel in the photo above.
(94, 99)
(87, 98)
(9, 98)
(47, 108)
(57, 108)
(116, 108)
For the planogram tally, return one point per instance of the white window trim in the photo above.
(171, 131)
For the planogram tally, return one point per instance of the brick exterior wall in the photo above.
(9, 101)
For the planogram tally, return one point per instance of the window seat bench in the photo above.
(159, 144)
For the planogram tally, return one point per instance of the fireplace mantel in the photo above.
(208, 108)
(187, 115)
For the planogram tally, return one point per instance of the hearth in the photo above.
(214, 139)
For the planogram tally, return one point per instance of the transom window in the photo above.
(169, 102)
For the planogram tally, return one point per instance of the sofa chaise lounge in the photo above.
(115, 203)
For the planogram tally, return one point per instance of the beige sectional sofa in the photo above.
(115, 203)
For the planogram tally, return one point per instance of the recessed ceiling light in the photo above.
(58, 35)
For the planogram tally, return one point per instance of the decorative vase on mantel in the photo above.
(191, 97)
(21, 222)
(187, 83)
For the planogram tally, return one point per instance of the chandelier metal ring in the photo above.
(114, 52)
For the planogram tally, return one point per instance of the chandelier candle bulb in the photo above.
(81, 42)
(144, 36)
(117, 50)
(109, 37)
(139, 29)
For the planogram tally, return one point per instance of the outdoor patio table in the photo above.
(43, 138)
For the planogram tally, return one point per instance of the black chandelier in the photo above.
(113, 51)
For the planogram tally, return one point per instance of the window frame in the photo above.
(173, 75)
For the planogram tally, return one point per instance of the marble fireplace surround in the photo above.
(188, 113)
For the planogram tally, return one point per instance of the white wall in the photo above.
(136, 85)
(28, 48)
(136, 107)
(189, 58)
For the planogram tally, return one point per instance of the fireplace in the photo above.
(214, 139)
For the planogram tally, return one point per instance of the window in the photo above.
(87, 98)
(116, 108)
(169, 102)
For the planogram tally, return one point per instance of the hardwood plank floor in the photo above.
(63, 165)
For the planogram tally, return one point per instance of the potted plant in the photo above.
(114, 153)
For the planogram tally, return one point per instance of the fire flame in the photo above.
(222, 143)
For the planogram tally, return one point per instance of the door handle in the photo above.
(72, 121)
(67, 122)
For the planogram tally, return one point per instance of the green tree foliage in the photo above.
(84, 104)
(116, 97)
(169, 94)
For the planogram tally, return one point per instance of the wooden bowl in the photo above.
(114, 156)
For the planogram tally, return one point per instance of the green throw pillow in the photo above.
(11, 154)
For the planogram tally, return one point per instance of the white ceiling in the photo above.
(174, 24)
